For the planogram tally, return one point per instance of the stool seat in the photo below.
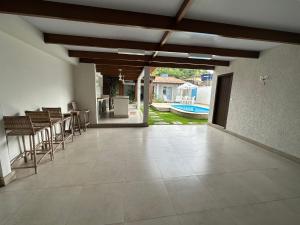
(22, 132)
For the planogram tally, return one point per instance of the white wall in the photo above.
(203, 95)
(31, 76)
(85, 89)
(268, 114)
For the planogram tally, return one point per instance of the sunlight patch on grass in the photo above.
(156, 117)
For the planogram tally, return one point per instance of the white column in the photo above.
(5, 168)
(139, 85)
(85, 88)
(146, 93)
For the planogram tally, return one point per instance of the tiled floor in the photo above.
(161, 175)
(134, 116)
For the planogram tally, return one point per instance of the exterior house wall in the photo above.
(158, 90)
(270, 113)
(203, 95)
(32, 75)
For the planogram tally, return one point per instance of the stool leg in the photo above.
(48, 141)
(30, 143)
(73, 122)
(85, 120)
(79, 125)
(42, 140)
(34, 155)
(71, 128)
(62, 134)
(51, 140)
(24, 146)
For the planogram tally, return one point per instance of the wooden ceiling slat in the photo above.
(127, 18)
(113, 43)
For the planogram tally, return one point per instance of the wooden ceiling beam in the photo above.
(114, 43)
(98, 15)
(147, 58)
(140, 64)
(179, 16)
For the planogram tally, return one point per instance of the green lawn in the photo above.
(156, 117)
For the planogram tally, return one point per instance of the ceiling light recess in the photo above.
(199, 56)
(131, 52)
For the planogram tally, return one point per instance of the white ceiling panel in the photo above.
(185, 55)
(198, 39)
(95, 49)
(159, 7)
(273, 14)
(94, 30)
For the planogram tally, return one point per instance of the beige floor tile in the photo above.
(288, 181)
(259, 184)
(172, 220)
(110, 171)
(48, 206)
(10, 202)
(190, 195)
(174, 168)
(209, 217)
(227, 191)
(98, 204)
(272, 213)
(147, 200)
(141, 170)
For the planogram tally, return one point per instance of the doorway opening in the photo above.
(179, 96)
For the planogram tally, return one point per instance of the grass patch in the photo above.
(171, 118)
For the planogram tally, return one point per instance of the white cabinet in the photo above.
(121, 104)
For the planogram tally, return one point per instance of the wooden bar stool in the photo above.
(22, 126)
(42, 120)
(82, 117)
(57, 117)
(76, 121)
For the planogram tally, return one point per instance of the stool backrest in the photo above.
(74, 106)
(38, 116)
(18, 123)
(54, 112)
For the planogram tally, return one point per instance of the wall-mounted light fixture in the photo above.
(263, 79)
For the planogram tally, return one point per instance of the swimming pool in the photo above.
(191, 108)
(191, 111)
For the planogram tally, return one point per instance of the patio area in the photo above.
(134, 116)
(149, 177)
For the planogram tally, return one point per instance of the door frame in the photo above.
(216, 96)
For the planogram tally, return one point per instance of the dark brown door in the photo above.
(222, 99)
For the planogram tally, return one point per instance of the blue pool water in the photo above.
(191, 108)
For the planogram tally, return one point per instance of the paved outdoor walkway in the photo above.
(161, 175)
